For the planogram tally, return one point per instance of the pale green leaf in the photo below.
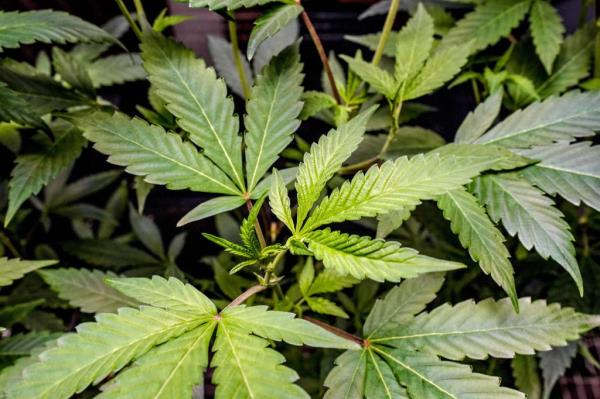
(480, 119)
(554, 363)
(330, 281)
(527, 379)
(380, 382)
(221, 53)
(212, 207)
(229, 4)
(272, 46)
(116, 69)
(325, 306)
(413, 45)
(412, 140)
(14, 269)
(22, 345)
(547, 32)
(147, 232)
(391, 221)
(372, 40)
(271, 22)
(315, 102)
(279, 201)
(347, 379)
(379, 79)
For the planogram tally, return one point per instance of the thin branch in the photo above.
(235, 48)
(139, 9)
(335, 330)
(246, 294)
(129, 19)
(8, 244)
(387, 27)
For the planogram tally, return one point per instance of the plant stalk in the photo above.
(136, 30)
(235, 48)
(387, 27)
(8, 244)
(394, 129)
(255, 289)
(335, 330)
(139, 9)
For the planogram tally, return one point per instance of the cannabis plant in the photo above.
(307, 234)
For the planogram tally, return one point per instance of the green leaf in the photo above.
(14, 269)
(330, 281)
(425, 376)
(402, 303)
(380, 380)
(46, 26)
(394, 185)
(478, 234)
(279, 201)
(480, 119)
(212, 207)
(198, 99)
(229, 4)
(412, 140)
(14, 108)
(525, 211)
(168, 371)
(347, 379)
(108, 253)
(271, 22)
(87, 290)
(33, 171)
(116, 69)
(272, 46)
(413, 45)
(571, 170)
(476, 330)
(363, 257)
(377, 78)
(288, 175)
(314, 103)
(142, 190)
(81, 188)
(547, 31)
(147, 232)
(372, 40)
(171, 294)
(554, 364)
(147, 150)
(527, 379)
(221, 53)
(72, 71)
(273, 111)
(488, 23)
(325, 306)
(99, 349)
(164, 21)
(21, 345)
(572, 64)
(283, 326)
(325, 158)
(562, 118)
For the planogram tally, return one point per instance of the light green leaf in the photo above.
(525, 211)
(279, 201)
(229, 4)
(273, 111)
(527, 379)
(72, 71)
(147, 232)
(480, 119)
(372, 40)
(547, 31)
(221, 53)
(14, 269)
(271, 22)
(478, 234)
(315, 102)
(363, 257)
(562, 118)
(147, 150)
(347, 379)
(325, 158)
(87, 290)
(116, 69)
(325, 306)
(380, 381)
(142, 190)
(21, 345)
(330, 281)
(212, 207)
(412, 140)
(413, 45)
(379, 79)
(391, 221)
(198, 99)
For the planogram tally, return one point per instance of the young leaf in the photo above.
(116, 69)
(147, 232)
(562, 118)
(330, 281)
(14, 269)
(525, 211)
(147, 150)
(363, 257)
(279, 201)
(478, 234)
(413, 45)
(547, 31)
(325, 158)
(526, 376)
(479, 120)
(325, 306)
(46, 26)
(271, 22)
(379, 79)
(87, 290)
(315, 102)
(347, 378)
(273, 111)
(554, 363)
(198, 99)
(467, 330)
(212, 207)
(221, 53)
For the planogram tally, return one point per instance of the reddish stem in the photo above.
(335, 330)
(246, 294)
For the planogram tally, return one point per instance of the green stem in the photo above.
(129, 18)
(259, 233)
(387, 27)
(8, 244)
(139, 9)
(235, 47)
(394, 129)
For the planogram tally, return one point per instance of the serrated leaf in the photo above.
(81, 188)
(489, 327)
(380, 381)
(324, 159)
(87, 290)
(99, 349)
(14, 108)
(564, 118)
(412, 140)
(363, 257)
(221, 53)
(116, 69)
(72, 71)
(21, 345)
(14, 269)
(379, 79)
(527, 379)
(330, 281)
(402, 303)
(325, 306)
(198, 99)
(279, 201)
(347, 379)
(554, 363)
(147, 150)
(571, 170)
(108, 253)
(478, 234)
(147, 232)
(229, 4)
(526, 212)
(271, 22)
(413, 45)
(480, 119)
(212, 207)
(272, 113)
(46, 26)
(272, 46)
(547, 32)
(33, 171)
(314, 103)
(171, 294)
(372, 40)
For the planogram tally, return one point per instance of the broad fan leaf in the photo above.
(547, 31)
(480, 119)
(272, 113)
(14, 269)
(363, 257)
(198, 99)
(526, 212)
(99, 349)
(116, 69)
(325, 158)
(34, 170)
(87, 290)
(489, 327)
(271, 22)
(380, 380)
(494, 157)
(46, 26)
(562, 118)
(570, 170)
(478, 234)
(21, 345)
(347, 378)
(413, 45)
(161, 157)
(228, 4)
(168, 371)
